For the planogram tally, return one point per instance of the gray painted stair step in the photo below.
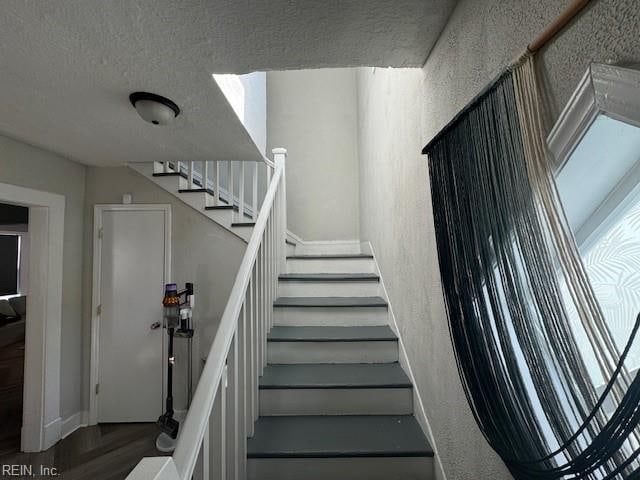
(330, 302)
(338, 436)
(327, 256)
(331, 334)
(197, 190)
(330, 277)
(336, 375)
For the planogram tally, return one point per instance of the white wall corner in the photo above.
(74, 422)
(52, 432)
(418, 410)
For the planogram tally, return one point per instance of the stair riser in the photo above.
(224, 217)
(336, 248)
(358, 468)
(172, 184)
(332, 352)
(343, 401)
(331, 316)
(331, 265)
(291, 288)
(197, 201)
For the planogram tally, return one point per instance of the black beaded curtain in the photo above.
(521, 368)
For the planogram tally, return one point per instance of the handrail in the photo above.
(237, 355)
(195, 424)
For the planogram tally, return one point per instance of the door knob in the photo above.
(155, 325)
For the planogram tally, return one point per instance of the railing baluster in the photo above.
(217, 431)
(260, 305)
(270, 284)
(254, 349)
(205, 174)
(274, 279)
(190, 174)
(265, 301)
(165, 166)
(204, 471)
(215, 172)
(232, 410)
(242, 392)
(254, 195)
(231, 184)
(241, 198)
(248, 313)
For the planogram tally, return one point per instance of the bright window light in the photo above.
(232, 87)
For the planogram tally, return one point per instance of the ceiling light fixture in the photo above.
(154, 108)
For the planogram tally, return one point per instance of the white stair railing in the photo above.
(212, 439)
(238, 186)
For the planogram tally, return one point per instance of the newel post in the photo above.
(279, 158)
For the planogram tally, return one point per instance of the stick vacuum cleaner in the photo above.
(177, 321)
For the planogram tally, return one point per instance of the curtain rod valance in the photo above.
(545, 37)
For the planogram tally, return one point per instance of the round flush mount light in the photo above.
(154, 108)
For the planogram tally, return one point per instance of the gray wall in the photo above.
(31, 167)
(313, 114)
(399, 111)
(202, 252)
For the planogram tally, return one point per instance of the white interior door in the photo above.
(130, 350)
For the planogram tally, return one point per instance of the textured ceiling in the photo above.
(67, 66)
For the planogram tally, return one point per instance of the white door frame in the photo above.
(41, 422)
(98, 211)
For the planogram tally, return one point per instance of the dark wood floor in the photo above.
(102, 452)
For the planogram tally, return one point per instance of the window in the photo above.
(9, 265)
(597, 145)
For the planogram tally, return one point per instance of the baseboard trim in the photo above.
(420, 412)
(293, 237)
(52, 431)
(73, 423)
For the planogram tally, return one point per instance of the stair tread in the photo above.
(220, 207)
(331, 334)
(335, 375)
(330, 302)
(329, 256)
(243, 224)
(196, 190)
(330, 277)
(338, 436)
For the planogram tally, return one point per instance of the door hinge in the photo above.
(100, 233)
(97, 388)
(99, 310)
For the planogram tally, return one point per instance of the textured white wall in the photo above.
(313, 114)
(27, 166)
(399, 111)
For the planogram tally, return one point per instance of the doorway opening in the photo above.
(14, 261)
(41, 267)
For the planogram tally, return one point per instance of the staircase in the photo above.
(302, 379)
(334, 402)
(224, 191)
